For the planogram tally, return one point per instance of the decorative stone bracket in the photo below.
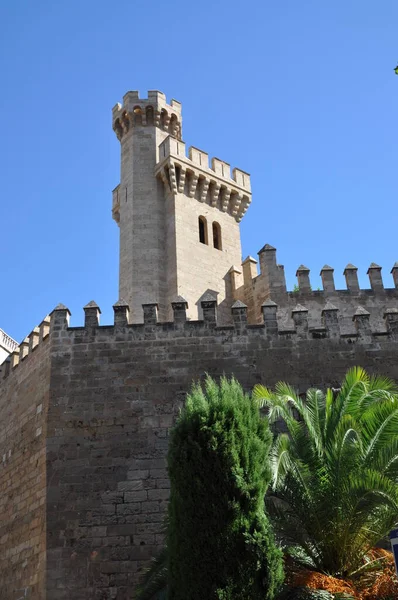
(193, 175)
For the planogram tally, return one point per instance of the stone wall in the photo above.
(24, 396)
(201, 267)
(115, 391)
(253, 289)
(112, 394)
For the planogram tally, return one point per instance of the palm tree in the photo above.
(335, 471)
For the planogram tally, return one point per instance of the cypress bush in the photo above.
(220, 543)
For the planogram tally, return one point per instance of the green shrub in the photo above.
(220, 543)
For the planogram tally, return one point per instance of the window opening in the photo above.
(217, 236)
(202, 230)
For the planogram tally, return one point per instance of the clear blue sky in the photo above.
(301, 94)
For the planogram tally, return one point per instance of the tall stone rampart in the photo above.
(113, 393)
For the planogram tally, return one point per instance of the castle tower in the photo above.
(178, 217)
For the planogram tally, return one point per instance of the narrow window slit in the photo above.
(202, 230)
(217, 236)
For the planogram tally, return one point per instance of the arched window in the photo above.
(202, 230)
(137, 115)
(163, 118)
(173, 125)
(149, 115)
(217, 236)
(126, 121)
(118, 128)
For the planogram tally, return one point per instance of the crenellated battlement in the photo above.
(272, 328)
(352, 315)
(22, 351)
(277, 283)
(271, 323)
(150, 111)
(254, 288)
(192, 175)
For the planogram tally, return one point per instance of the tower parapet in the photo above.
(193, 176)
(19, 352)
(271, 325)
(153, 110)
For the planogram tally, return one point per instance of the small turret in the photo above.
(303, 278)
(327, 279)
(300, 319)
(146, 112)
(376, 281)
(330, 319)
(351, 277)
(361, 319)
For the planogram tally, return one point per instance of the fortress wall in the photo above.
(375, 303)
(24, 398)
(115, 392)
(89, 502)
(270, 283)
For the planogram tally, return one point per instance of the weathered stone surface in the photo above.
(94, 480)
(163, 193)
(24, 400)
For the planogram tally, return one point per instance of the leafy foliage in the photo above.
(220, 543)
(335, 471)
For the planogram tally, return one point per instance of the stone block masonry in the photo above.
(164, 197)
(87, 412)
(254, 288)
(24, 398)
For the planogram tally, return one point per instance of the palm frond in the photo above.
(155, 578)
(335, 470)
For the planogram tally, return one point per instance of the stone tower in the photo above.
(178, 217)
